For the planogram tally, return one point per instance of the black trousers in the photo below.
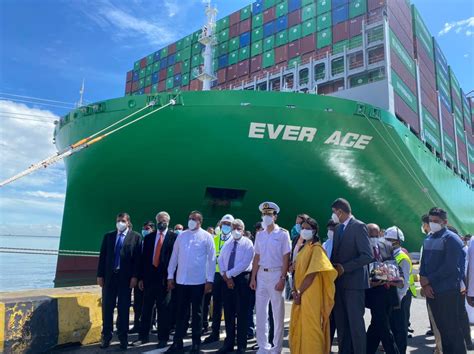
(399, 322)
(250, 321)
(137, 306)
(217, 304)
(116, 292)
(379, 302)
(159, 297)
(445, 309)
(189, 295)
(349, 309)
(464, 320)
(236, 305)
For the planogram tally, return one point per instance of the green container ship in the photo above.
(228, 149)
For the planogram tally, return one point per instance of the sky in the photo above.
(48, 47)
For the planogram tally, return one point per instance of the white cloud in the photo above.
(458, 26)
(466, 55)
(172, 7)
(46, 195)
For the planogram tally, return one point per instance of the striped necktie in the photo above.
(156, 256)
(232, 256)
(118, 248)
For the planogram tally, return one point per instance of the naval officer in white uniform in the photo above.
(270, 266)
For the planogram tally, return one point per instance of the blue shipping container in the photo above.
(268, 29)
(340, 14)
(141, 91)
(244, 39)
(157, 56)
(281, 23)
(163, 63)
(294, 5)
(177, 80)
(257, 7)
(171, 59)
(337, 3)
(136, 76)
(222, 61)
(155, 78)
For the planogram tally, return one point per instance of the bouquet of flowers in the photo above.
(387, 271)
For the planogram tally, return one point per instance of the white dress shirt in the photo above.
(194, 255)
(243, 257)
(327, 245)
(157, 238)
(272, 247)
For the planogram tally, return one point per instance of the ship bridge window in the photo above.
(275, 85)
(288, 82)
(262, 86)
(376, 54)
(377, 74)
(356, 60)
(304, 75)
(224, 197)
(375, 34)
(319, 71)
(337, 66)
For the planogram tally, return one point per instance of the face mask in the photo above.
(121, 226)
(435, 227)
(373, 241)
(192, 224)
(236, 235)
(330, 234)
(267, 220)
(387, 242)
(226, 229)
(177, 232)
(335, 218)
(145, 232)
(423, 230)
(306, 234)
(161, 226)
(298, 228)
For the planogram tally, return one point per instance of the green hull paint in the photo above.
(167, 160)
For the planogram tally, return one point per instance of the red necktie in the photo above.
(156, 257)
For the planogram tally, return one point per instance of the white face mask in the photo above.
(435, 227)
(237, 235)
(121, 226)
(330, 234)
(267, 220)
(192, 224)
(306, 234)
(335, 218)
(373, 241)
(423, 230)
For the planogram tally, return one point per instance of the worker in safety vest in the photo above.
(400, 316)
(221, 237)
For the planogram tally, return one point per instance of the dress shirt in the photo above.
(194, 255)
(157, 238)
(272, 247)
(243, 257)
(327, 245)
(121, 237)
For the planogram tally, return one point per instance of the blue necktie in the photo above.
(341, 230)
(232, 257)
(118, 248)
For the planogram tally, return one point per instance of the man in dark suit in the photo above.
(350, 255)
(117, 275)
(157, 249)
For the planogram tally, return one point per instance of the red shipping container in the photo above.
(162, 86)
(429, 105)
(427, 83)
(404, 74)
(294, 49)
(130, 75)
(269, 15)
(234, 18)
(243, 68)
(398, 20)
(195, 85)
(221, 76)
(162, 75)
(373, 4)
(172, 48)
(234, 31)
(244, 26)
(308, 44)
(294, 18)
(232, 72)
(403, 6)
(143, 63)
(323, 50)
(355, 26)
(340, 32)
(281, 54)
(134, 85)
(147, 89)
(305, 58)
(185, 88)
(462, 151)
(177, 68)
(406, 41)
(128, 87)
(424, 58)
(256, 63)
(375, 15)
(403, 111)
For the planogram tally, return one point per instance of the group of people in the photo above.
(175, 272)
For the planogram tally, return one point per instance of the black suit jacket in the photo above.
(129, 256)
(152, 276)
(352, 250)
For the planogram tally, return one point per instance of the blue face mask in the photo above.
(226, 229)
(145, 232)
(298, 228)
(177, 232)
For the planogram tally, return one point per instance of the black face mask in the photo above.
(162, 226)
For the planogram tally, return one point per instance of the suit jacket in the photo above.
(129, 256)
(151, 275)
(352, 250)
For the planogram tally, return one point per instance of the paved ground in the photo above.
(419, 344)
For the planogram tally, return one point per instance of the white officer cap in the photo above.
(227, 218)
(265, 206)
(394, 233)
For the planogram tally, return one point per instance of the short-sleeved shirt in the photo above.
(272, 247)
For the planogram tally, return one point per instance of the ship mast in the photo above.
(208, 39)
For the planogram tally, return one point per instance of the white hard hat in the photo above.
(227, 218)
(394, 233)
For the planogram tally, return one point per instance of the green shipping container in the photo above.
(282, 8)
(294, 33)
(187, 41)
(178, 57)
(268, 3)
(223, 48)
(281, 38)
(257, 21)
(358, 80)
(323, 6)
(257, 34)
(246, 12)
(196, 61)
(180, 44)
(164, 52)
(142, 73)
(136, 66)
(186, 53)
(256, 48)
(148, 81)
(149, 70)
(150, 59)
(156, 66)
(234, 44)
(222, 24)
(355, 42)
(323, 21)
(215, 64)
(306, 2)
(154, 88)
(196, 49)
(223, 35)
(357, 8)
(170, 71)
(269, 43)
(309, 27)
(233, 57)
(141, 83)
(308, 12)
(339, 46)
(294, 62)
(324, 38)
(196, 36)
(244, 53)
(169, 83)
(268, 59)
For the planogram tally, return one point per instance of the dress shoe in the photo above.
(240, 351)
(134, 330)
(105, 343)
(175, 348)
(429, 333)
(205, 331)
(410, 330)
(195, 349)
(211, 339)
(225, 349)
(123, 345)
(140, 341)
(162, 344)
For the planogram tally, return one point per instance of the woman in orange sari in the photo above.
(313, 295)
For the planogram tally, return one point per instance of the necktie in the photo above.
(232, 257)
(341, 230)
(118, 248)
(377, 254)
(156, 256)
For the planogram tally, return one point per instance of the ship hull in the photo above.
(226, 152)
